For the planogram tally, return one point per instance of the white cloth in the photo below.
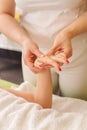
(43, 19)
(18, 114)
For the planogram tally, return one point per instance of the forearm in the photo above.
(26, 95)
(78, 26)
(43, 92)
(12, 29)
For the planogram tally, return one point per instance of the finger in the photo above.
(60, 60)
(32, 67)
(48, 61)
(54, 64)
(29, 61)
(41, 65)
(52, 51)
(61, 57)
(69, 54)
(37, 52)
(59, 54)
(55, 50)
(38, 64)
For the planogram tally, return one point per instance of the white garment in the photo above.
(43, 19)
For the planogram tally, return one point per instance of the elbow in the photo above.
(48, 106)
(44, 104)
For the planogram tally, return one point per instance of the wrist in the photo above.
(69, 31)
(26, 41)
(43, 73)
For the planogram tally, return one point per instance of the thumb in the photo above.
(37, 52)
(68, 52)
(51, 51)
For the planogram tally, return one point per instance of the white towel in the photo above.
(18, 114)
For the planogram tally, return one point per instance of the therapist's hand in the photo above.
(52, 61)
(30, 51)
(62, 43)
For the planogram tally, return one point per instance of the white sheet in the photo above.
(18, 114)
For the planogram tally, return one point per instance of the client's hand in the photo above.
(46, 62)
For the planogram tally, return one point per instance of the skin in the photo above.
(14, 31)
(55, 61)
(63, 39)
(43, 90)
(30, 49)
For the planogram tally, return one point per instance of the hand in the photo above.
(30, 52)
(46, 62)
(62, 43)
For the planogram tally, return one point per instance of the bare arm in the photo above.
(12, 29)
(43, 90)
(78, 26)
(63, 39)
(8, 25)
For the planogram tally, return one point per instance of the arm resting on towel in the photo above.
(43, 91)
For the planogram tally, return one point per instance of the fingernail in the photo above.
(59, 69)
(67, 61)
